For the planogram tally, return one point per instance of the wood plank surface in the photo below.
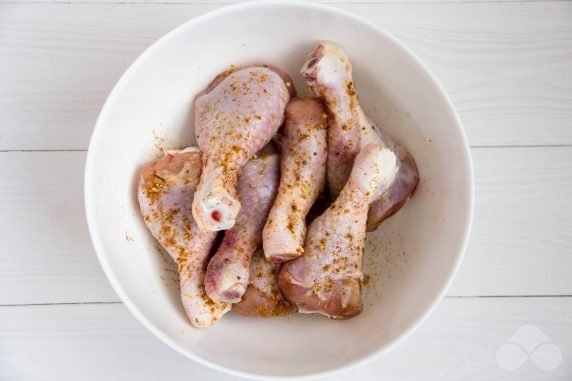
(521, 242)
(506, 65)
(230, 2)
(522, 233)
(47, 255)
(95, 342)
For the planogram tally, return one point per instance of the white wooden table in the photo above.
(508, 68)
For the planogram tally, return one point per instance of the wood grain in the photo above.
(46, 251)
(522, 232)
(506, 65)
(521, 239)
(230, 2)
(95, 342)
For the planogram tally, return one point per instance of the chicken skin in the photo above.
(263, 297)
(285, 77)
(233, 121)
(166, 189)
(302, 179)
(326, 279)
(227, 274)
(328, 72)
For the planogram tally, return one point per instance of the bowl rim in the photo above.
(97, 239)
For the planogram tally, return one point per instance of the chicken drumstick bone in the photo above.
(228, 271)
(233, 121)
(328, 72)
(166, 190)
(326, 279)
(302, 179)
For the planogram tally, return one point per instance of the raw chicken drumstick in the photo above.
(328, 72)
(326, 279)
(228, 270)
(263, 297)
(405, 181)
(166, 189)
(302, 179)
(233, 121)
(285, 77)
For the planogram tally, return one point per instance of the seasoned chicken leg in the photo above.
(263, 297)
(405, 181)
(285, 77)
(228, 270)
(302, 179)
(328, 72)
(166, 190)
(326, 279)
(232, 122)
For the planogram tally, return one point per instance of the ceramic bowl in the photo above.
(410, 260)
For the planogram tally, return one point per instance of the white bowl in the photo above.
(411, 258)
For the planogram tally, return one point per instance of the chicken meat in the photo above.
(165, 193)
(233, 120)
(302, 179)
(263, 297)
(228, 270)
(285, 77)
(326, 279)
(328, 72)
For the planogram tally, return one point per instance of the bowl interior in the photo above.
(410, 259)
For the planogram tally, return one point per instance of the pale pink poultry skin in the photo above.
(233, 121)
(326, 279)
(263, 297)
(227, 274)
(285, 77)
(165, 193)
(405, 182)
(328, 72)
(302, 179)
